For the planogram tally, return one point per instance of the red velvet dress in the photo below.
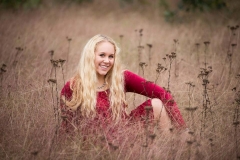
(133, 83)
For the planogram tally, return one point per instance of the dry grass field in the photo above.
(204, 80)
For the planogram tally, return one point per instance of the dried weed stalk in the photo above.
(236, 117)
(142, 66)
(15, 64)
(231, 46)
(176, 70)
(3, 70)
(149, 53)
(69, 43)
(207, 106)
(171, 57)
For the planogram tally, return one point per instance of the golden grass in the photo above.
(27, 116)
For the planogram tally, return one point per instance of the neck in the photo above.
(100, 79)
(101, 82)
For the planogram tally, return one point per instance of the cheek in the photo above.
(95, 62)
(112, 61)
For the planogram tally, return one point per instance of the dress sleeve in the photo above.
(137, 84)
(66, 114)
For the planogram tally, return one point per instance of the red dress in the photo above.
(133, 83)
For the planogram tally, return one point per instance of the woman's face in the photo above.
(104, 57)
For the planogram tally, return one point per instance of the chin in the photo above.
(102, 73)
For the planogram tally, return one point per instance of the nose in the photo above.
(106, 60)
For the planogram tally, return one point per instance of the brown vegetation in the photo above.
(204, 79)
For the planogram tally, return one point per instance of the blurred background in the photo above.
(33, 32)
(43, 25)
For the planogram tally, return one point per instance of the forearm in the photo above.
(137, 84)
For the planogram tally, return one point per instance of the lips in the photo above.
(104, 67)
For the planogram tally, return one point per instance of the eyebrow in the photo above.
(105, 53)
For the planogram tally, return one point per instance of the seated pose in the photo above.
(98, 91)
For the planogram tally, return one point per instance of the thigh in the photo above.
(140, 112)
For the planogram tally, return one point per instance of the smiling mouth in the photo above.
(104, 67)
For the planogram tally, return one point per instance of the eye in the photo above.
(102, 55)
(111, 56)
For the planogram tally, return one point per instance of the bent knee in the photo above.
(158, 106)
(156, 103)
(159, 109)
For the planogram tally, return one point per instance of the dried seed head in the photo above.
(69, 39)
(190, 84)
(160, 68)
(113, 146)
(168, 91)
(142, 64)
(173, 54)
(148, 108)
(236, 123)
(145, 145)
(19, 48)
(51, 52)
(152, 136)
(191, 108)
(34, 153)
(205, 82)
(61, 61)
(232, 28)
(149, 45)
(52, 80)
(64, 117)
(102, 138)
(206, 42)
(54, 62)
(3, 70)
(159, 65)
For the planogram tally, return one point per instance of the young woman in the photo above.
(97, 91)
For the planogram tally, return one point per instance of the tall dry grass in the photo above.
(28, 125)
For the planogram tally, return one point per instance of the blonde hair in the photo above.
(84, 83)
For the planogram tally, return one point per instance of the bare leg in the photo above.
(164, 122)
(161, 115)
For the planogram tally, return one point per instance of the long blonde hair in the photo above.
(84, 83)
